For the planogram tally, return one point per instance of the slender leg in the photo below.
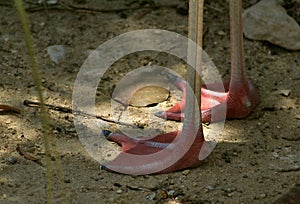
(240, 95)
(192, 128)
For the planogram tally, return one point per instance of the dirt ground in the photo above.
(256, 160)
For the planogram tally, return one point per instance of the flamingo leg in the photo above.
(240, 95)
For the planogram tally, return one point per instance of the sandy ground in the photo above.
(256, 160)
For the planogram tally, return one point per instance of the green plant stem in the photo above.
(45, 121)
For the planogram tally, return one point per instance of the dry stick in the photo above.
(43, 115)
(69, 110)
(69, 7)
(9, 108)
(28, 156)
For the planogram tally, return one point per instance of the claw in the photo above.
(106, 133)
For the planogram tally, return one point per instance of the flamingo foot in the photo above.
(239, 99)
(152, 145)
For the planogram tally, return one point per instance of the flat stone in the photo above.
(269, 21)
(149, 95)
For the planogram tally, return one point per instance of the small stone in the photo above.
(71, 130)
(230, 194)
(171, 193)
(209, 187)
(186, 172)
(149, 95)
(11, 160)
(221, 32)
(275, 155)
(229, 189)
(119, 191)
(151, 196)
(56, 53)
(263, 195)
(297, 117)
(285, 92)
(4, 196)
(8, 121)
(49, 2)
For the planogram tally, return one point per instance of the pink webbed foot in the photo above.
(152, 145)
(240, 100)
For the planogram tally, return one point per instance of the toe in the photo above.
(106, 133)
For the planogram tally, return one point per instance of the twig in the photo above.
(9, 109)
(69, 7)
(28, 156)
(140, 188)
(69, 110)
(292, 169)
(49, 142)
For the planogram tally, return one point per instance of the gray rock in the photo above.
(56, 53)
(268, 20)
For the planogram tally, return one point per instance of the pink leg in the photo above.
(240, 95)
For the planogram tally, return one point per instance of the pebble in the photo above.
(285, 92)
(268, 21)
(186, 172)
(151, 196)
(71, 130)
(209, 187)
(119, 191)
(171, 193)
(48, 2)
(263, 195)
(149, 95)
(56, 53)
(11, 160)
(8, 121)
(221, 33)
(229, 189)
(230, 194)
(4, 196)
